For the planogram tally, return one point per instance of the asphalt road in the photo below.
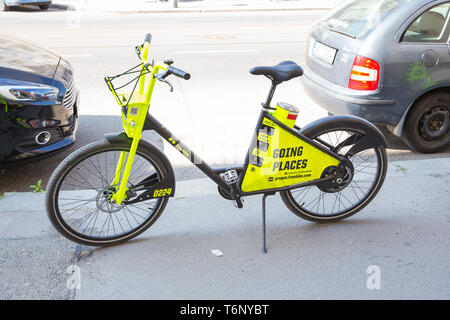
(214, 112)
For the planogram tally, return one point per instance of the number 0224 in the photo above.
(162, 192)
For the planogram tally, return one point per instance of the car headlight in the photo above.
(29, 93)
(35, 93)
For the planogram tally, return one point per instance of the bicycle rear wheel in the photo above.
(79, 190)
(364, 177)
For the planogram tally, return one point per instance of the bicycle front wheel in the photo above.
(79, 190)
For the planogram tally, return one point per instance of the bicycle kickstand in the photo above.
(264, 250)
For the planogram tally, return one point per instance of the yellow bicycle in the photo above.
(110, 191)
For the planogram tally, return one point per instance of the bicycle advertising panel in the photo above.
(279, 158)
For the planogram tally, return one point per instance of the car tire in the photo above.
(3, 6)
(427, 126)
(44, 6)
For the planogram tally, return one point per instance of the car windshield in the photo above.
(355, 17)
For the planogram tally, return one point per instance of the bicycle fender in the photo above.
(118, 137)
(372, 135)
(165, 187)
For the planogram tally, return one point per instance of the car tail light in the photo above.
(365, 74)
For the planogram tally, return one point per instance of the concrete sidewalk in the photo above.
(156, 6)
(404, 233)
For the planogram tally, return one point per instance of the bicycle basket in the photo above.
(125, 98)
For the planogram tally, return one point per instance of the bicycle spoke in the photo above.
(355, 192)
(92, 172)
(119, 222)
(85, 181)
(94, 215)
(76, 201)
(302, 192)
(77, 209)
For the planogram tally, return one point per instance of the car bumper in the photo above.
(338, 100)
(20, 141)
(40, 153)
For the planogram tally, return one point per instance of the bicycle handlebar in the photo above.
(179, 73)
(148, 38)
(170, 70)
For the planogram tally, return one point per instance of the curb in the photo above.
(221, 10)
(438, 168)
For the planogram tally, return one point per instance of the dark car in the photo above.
(387, 61)
(38, 102)
(42, 4)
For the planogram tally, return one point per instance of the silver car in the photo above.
(387, 61)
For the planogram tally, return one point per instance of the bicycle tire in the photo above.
(301, 211)
(145, 150)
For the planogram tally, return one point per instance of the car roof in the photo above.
(399, 17)
(394, 21)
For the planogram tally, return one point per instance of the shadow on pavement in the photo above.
(394, 142)
(399, 151)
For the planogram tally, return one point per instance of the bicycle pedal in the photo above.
(230, 176)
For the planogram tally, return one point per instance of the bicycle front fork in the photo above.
(120, 179)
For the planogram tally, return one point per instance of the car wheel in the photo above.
(427, 127)
(44, 6)
(3, 6)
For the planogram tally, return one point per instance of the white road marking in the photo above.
(77, 55)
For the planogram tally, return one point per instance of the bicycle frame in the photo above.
(136, 118)
(214, 173)
(151, 123)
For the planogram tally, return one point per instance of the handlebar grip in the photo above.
(179, 73)
(148, 37)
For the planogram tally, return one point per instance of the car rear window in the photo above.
(355, 17)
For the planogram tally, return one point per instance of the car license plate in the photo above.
(323, 52)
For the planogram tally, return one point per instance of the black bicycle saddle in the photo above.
(283, 71)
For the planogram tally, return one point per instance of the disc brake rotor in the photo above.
(104, 201)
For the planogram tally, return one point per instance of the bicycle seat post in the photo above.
(266, 104)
